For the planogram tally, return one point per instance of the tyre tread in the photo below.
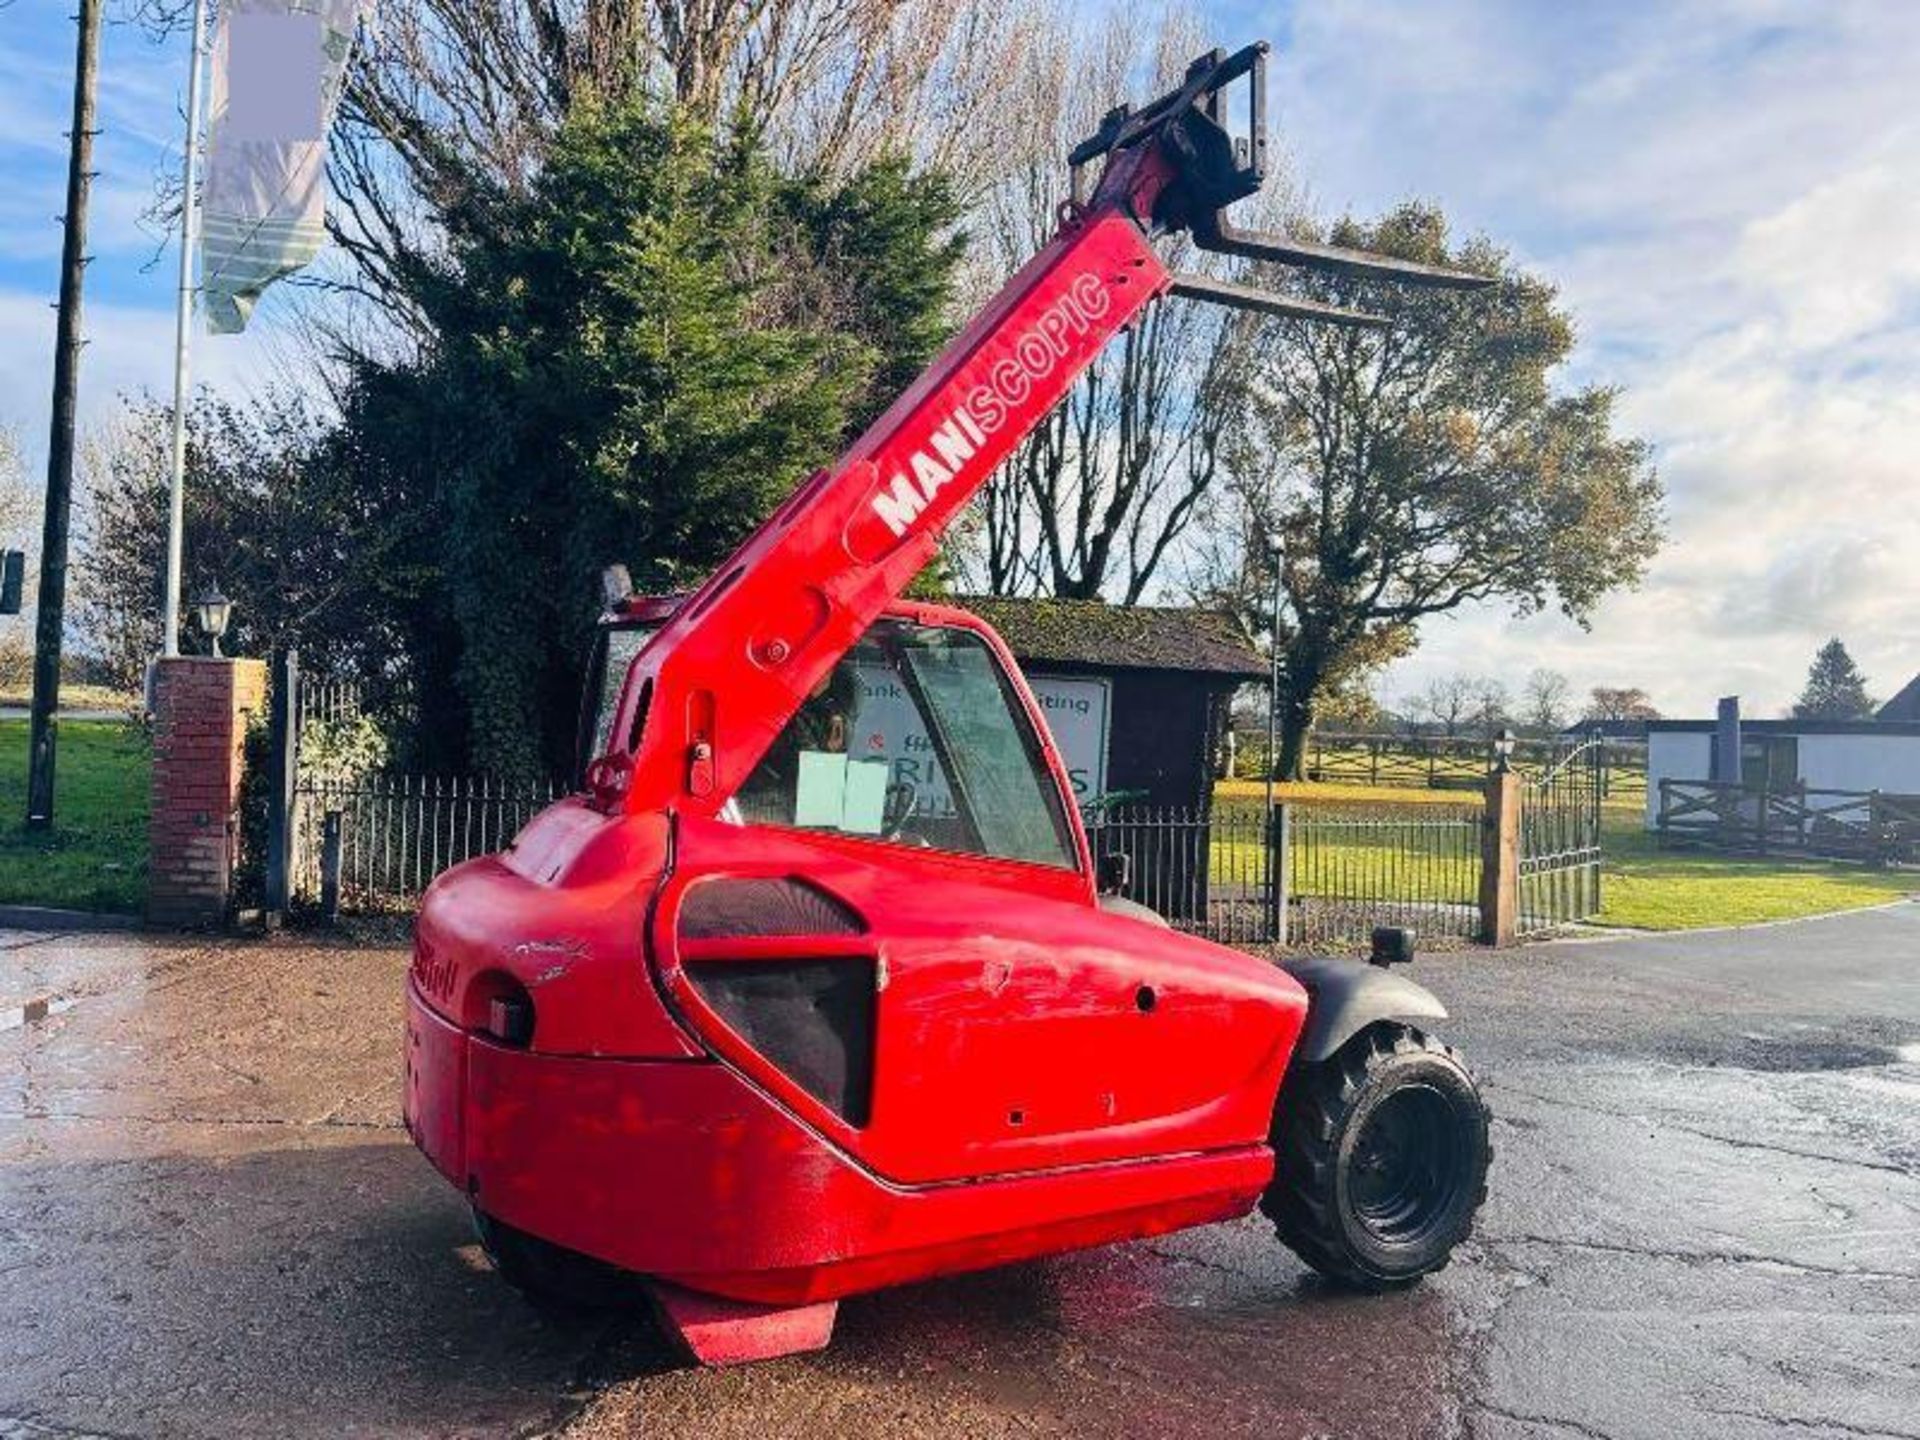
(1316, 1100)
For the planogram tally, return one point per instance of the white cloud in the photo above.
(1724, 190)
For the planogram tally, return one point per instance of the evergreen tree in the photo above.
(635, 358)
(1836, 690)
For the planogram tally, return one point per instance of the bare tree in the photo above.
(447, 96)
(1619, 703)
(1451, 703)
(1543, 703)
(1493, 707)
(1102, 495)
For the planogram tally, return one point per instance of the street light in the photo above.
(1275, 557)
(211, 612)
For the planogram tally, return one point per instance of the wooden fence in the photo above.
(1440, 762)
(1863, 825)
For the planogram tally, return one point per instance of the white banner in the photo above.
(278, 66)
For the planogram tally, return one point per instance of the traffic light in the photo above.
(13, 574)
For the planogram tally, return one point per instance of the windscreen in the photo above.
(917, 737)
(620, 646)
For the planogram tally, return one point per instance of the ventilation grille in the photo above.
(738, 909)
(813, 1019)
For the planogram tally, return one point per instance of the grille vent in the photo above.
(739, 909)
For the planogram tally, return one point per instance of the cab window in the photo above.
(915, 737)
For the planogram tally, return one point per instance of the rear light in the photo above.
(510, 1019)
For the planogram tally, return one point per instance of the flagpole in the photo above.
(182, 335)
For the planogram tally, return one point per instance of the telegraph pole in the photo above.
(66, 381)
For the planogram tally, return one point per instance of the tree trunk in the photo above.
(1296, 720)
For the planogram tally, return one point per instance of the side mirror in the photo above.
(1114, 873)
(1392, 945)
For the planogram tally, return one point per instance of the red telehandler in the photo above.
(757, 1025)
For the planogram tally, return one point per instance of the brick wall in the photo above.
(201, 708)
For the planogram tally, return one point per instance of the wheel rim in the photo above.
(1406, 1166)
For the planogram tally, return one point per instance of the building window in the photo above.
(1770, 762)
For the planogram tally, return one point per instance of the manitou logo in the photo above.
(1008, 384)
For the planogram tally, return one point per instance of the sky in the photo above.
(1727, 193)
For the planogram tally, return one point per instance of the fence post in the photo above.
(330, 868)
(1279, 855)
(1500, 858)
(283, 754)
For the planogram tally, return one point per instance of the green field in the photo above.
(95, 858)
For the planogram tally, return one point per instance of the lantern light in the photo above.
(211, 612)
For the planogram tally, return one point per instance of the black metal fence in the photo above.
(396, 832)
(328, 700)
(1309, 874)
(1351, 870)
(1330, 874)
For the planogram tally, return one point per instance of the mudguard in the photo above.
(1346, 996)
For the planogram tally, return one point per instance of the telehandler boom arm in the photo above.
(710, 692)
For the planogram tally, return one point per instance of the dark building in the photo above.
(1903, 708)
(1168, 675)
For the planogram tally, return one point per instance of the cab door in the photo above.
(931, 986)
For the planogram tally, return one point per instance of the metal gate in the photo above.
(1560, 843)
(365, 837)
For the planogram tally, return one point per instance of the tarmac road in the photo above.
(1705, 1221)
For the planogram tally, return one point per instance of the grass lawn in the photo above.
(1418, 855)
(77, 697)
(95, 858)
(1648, 888)
(1252, 795)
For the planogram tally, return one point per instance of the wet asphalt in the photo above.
(1704, 1221)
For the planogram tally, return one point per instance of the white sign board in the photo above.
(888, 728)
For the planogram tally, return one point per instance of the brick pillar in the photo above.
(201, 708)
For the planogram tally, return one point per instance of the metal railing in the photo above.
(1352, 870)
(329, 700)
(396, 832)
(1335, 873)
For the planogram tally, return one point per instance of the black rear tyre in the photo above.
(549, 1273)
(1382, 1155)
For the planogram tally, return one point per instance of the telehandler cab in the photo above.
(760, 1025)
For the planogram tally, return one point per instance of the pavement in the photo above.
(1704, 1221)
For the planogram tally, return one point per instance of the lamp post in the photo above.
(1274, 555)
(1503, 751)
(1276, 840)
(211, 612)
